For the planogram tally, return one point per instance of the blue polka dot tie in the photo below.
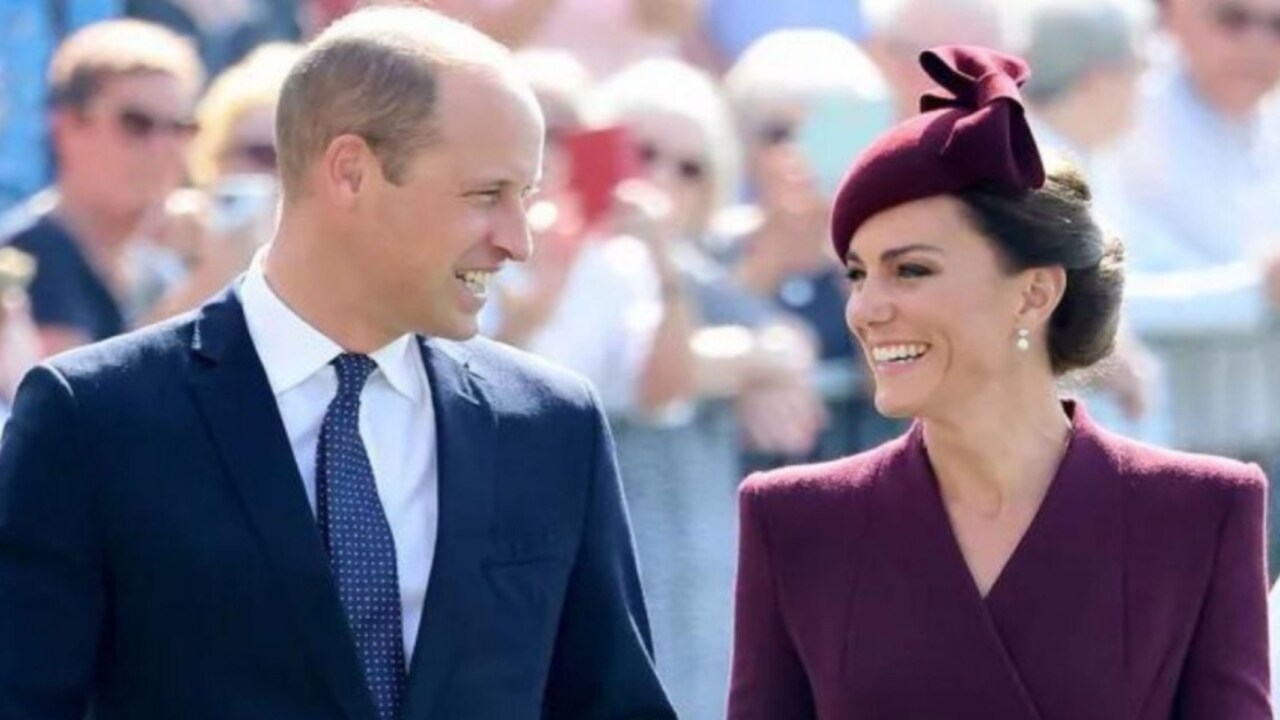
(362, 551)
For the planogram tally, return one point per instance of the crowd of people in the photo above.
(681, 223)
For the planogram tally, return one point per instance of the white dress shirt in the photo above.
(397, 424)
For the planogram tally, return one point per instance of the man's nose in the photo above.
(513, 237)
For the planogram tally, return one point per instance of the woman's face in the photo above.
(251, 145)
(674, 155)
(936, 314)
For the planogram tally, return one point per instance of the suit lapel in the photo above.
(232, 392)
(466, 437)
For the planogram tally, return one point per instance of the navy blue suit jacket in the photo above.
(159, 560)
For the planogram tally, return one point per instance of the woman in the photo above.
(216, 226)
(1006, 558)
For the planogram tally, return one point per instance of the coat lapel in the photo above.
(950, 640)
(1064, 587)
(233, 393)
(466, 437)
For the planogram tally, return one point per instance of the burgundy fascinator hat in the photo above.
(977, 136)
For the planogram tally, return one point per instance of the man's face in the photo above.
(1232, 48)
(430, 245)
(127, 145)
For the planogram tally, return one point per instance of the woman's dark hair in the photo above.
(1054, 226)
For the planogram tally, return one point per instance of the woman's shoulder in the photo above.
(816, 482)
(1176, 479)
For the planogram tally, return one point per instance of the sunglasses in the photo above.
(689, 169)
(142, 125)
(773, 134)
(1236, 20)
(261, 154)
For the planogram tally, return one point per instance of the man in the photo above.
(309, 499)
(122, 93)
(1203, 158)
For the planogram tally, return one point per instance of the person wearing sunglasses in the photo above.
(215, 226)
(237, 116)
(122, 94)
(806, 101)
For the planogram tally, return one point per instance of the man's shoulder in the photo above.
(515, 375)
(142, 356)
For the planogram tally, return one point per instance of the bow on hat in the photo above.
(977, 136)
(986, 83)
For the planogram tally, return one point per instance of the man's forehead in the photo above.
(496, 128)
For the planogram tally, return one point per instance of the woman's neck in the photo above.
(1003, 448)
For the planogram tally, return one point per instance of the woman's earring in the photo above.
(1024, 339)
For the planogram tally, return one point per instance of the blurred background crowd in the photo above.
(682, 263)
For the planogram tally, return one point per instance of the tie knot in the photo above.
(353, 371)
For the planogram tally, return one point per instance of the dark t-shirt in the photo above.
(66, 291)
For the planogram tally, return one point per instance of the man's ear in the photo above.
(344, 168)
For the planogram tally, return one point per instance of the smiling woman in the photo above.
(991, 562)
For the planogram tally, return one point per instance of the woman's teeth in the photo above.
(476, 281)
(898, 353)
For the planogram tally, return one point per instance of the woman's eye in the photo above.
(856, 274)
(914, 271)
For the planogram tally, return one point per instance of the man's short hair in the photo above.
(374, 73)
(101, 52)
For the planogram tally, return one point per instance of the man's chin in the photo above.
(458, 330)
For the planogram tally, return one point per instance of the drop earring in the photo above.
(1024, 339)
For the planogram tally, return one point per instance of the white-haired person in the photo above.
(805, 102)
(897, 31)
(718, 344)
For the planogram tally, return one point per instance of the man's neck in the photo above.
(327, 297)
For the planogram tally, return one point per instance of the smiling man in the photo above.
(310, 498)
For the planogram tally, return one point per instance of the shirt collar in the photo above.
(292, 350)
